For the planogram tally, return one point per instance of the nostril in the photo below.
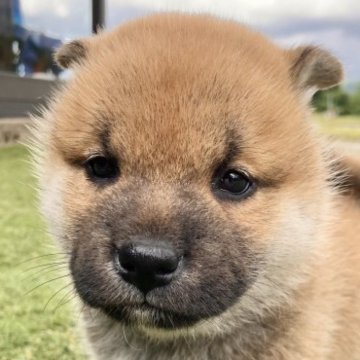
(128, 266)
(168, 266)
(127, 260)
(164, 271)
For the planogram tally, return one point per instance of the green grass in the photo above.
(343, 127)
(27, 330)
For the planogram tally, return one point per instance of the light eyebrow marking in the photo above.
(231, 150)
(105, 140)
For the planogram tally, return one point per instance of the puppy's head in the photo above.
(179, 172)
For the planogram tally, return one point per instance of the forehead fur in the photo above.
(177, 90)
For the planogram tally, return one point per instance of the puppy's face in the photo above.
(179, 172)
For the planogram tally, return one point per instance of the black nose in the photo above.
(147, 265)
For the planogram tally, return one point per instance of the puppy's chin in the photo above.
(150, 318)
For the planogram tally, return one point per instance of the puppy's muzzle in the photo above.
(147, 265)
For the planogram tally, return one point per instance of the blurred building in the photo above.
(23, 50)
(9, 14)
(7, 19)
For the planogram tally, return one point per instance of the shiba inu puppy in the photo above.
(199, 209)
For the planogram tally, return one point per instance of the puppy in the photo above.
(180, 172)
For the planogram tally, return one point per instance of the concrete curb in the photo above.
(13, 130)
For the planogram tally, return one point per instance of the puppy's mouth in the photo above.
(150, 316)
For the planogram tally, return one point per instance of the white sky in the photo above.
(256, 11)
(334, 24)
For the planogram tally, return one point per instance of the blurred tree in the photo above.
(355, 102)
(335, 100)
(342, 102)
(319, 101)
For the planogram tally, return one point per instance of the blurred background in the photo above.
(31, 30)
(36, 321)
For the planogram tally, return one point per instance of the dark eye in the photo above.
(233, 182)
(101, 167)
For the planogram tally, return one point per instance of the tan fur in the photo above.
(167, 91)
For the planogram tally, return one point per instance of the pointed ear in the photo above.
(71, 53)
(313, 69)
